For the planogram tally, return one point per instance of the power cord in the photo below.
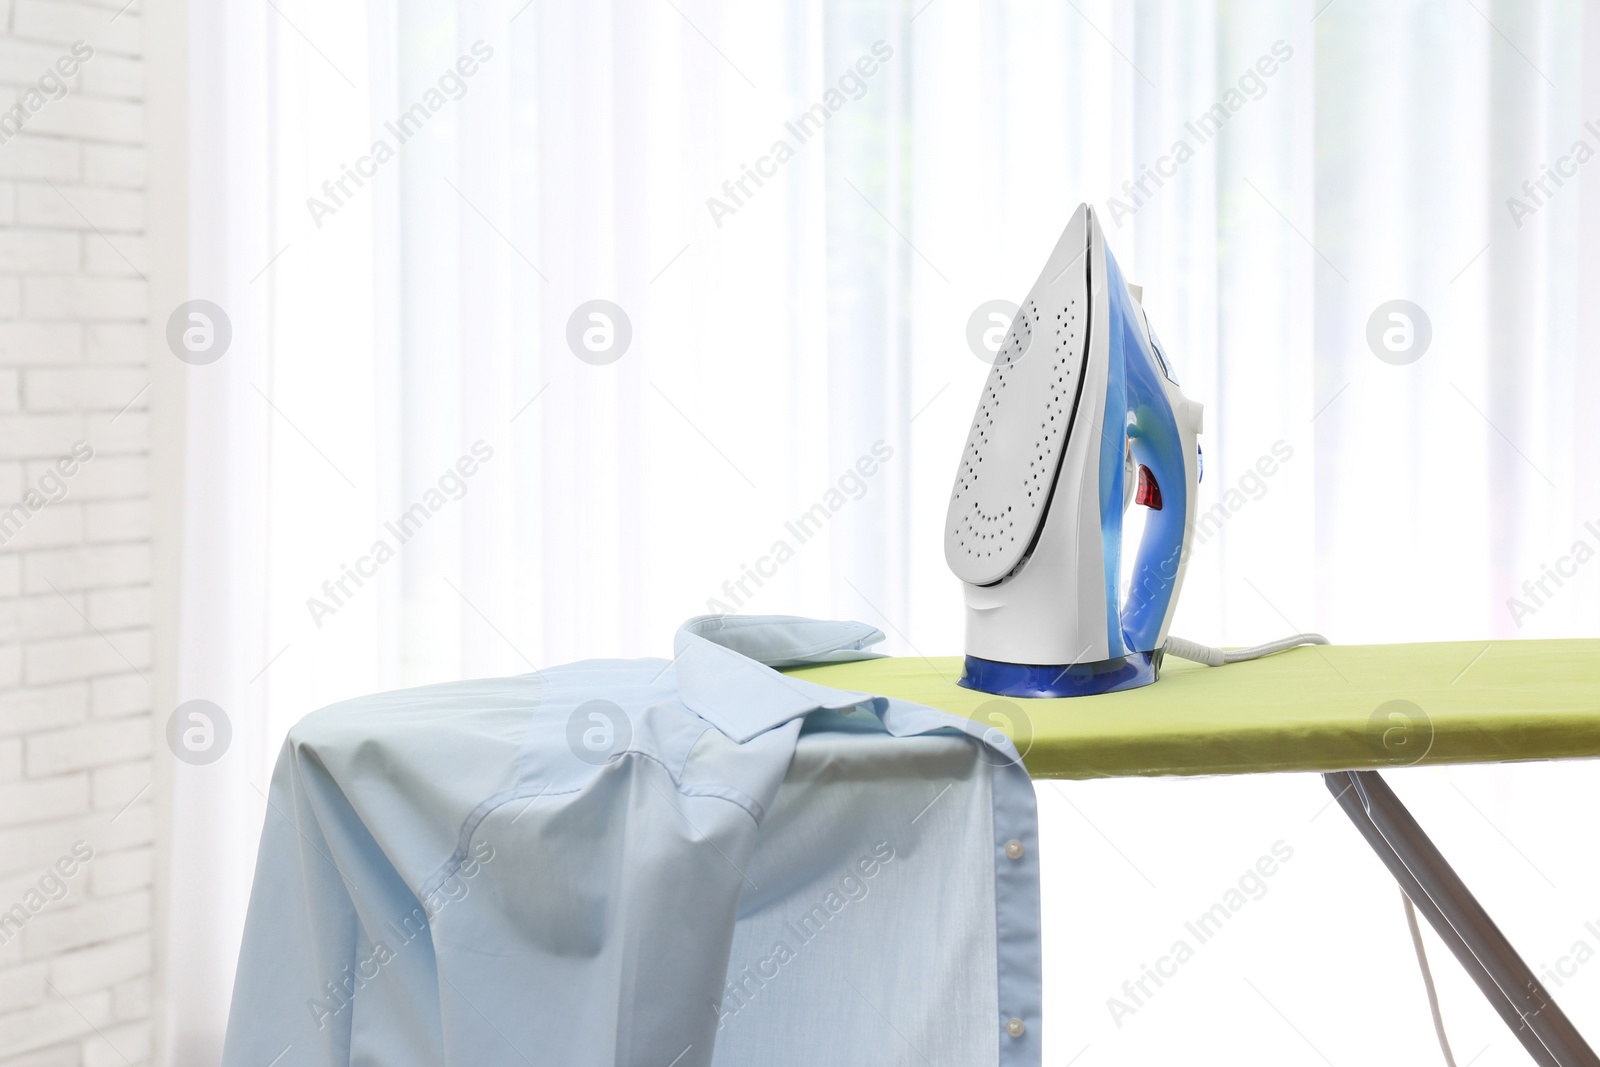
(1216, 657)
(1427, 980)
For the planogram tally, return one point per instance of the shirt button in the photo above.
(1014, 1027)
(1014, 851)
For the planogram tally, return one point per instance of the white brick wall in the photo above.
(75, 606)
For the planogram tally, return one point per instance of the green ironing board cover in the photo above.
(1336, 707)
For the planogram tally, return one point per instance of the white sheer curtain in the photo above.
(778, 336)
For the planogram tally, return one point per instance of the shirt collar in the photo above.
(725, 668)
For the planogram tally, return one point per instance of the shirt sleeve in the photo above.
(332, 931)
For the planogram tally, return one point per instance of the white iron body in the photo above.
(1035, 520)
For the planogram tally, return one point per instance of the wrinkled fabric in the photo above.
(645, 862)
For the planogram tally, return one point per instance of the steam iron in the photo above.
(1081, 418)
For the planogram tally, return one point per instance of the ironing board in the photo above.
(1343, 710)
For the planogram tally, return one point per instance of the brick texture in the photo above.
(75, 712)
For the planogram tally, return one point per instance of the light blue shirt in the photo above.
(650, 863)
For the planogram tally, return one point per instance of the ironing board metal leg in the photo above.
(1460, 921)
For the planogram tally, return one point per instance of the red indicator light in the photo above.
(1149, 493)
